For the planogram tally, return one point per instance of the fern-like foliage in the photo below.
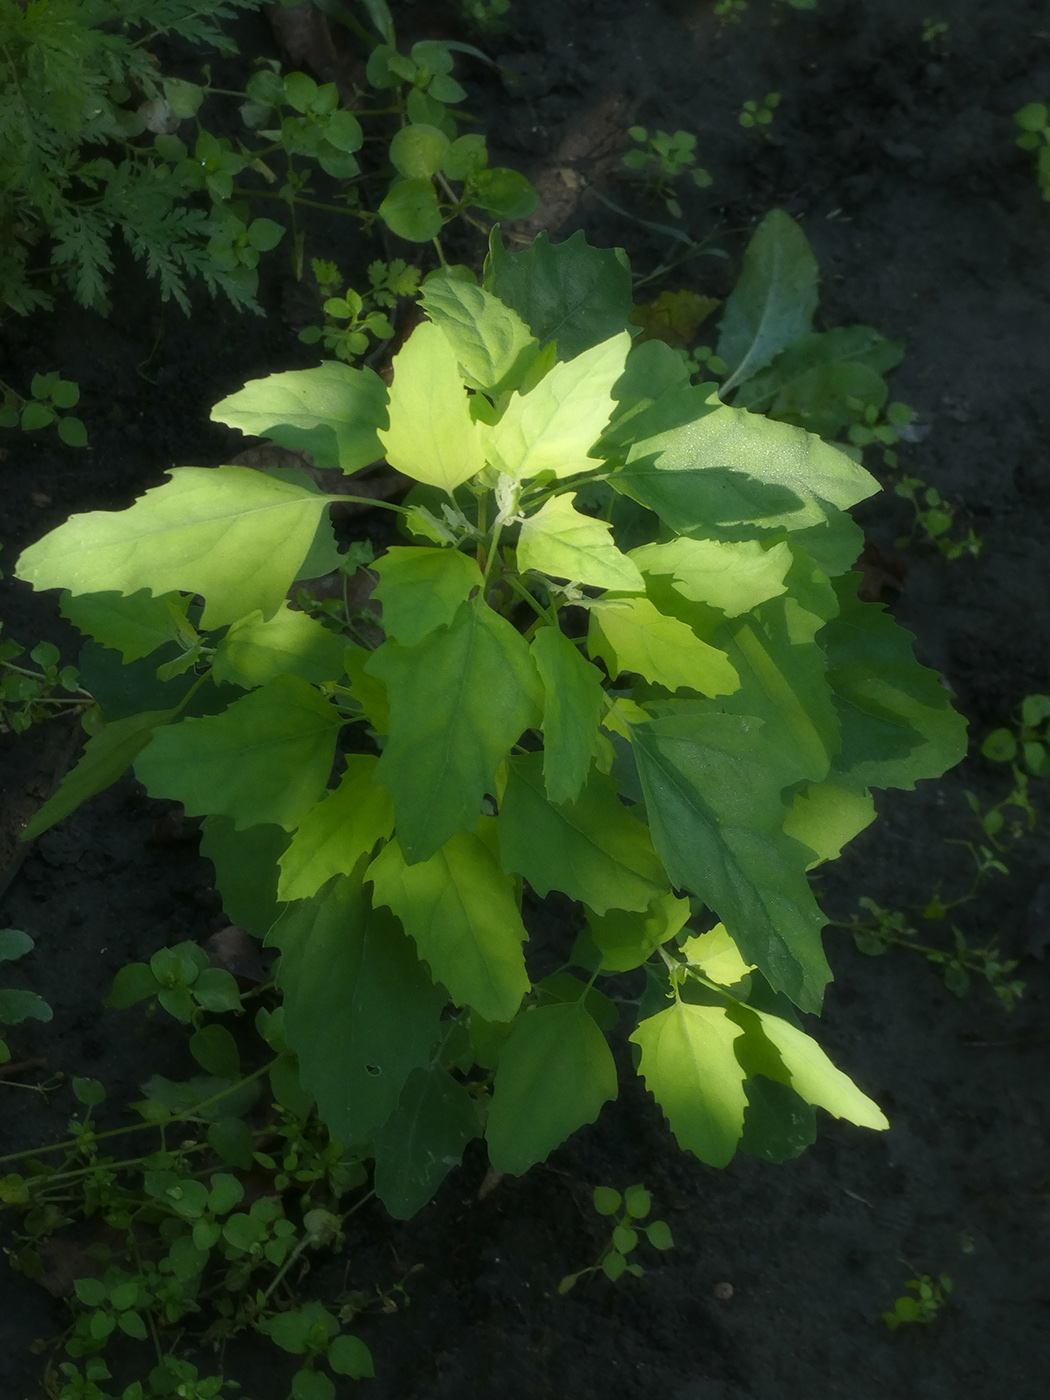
(73, 74)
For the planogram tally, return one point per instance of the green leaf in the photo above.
(492, 343)
(554, 1074)
(795, 1059)
(553, 427)
(502, 193)
(592, 849)
(716, 956)
(560, 541)
(332, 411)
(825, 818)
(417, 151)
(569, 292)
(448, 736)
(733, 577)
(134, 625)
(107, 755)
(231, 533)
(897, 720)
(347, 1355)
(133, 983)
(606, 1200)
(245, 869)
(360, 1011)
(627, 939)
(14, 944)
(713, 795)
(215, 1050)
(421, 1141)
(462, 913)
(689, 1067)
(72, 432)
(724, 468)
(89, 1092)
(431, 437)
(783, 683)
(255, 651)
(631, 634)
(335, 834)
(573, 702)
(18, 1006)
(411, 210)
(266, 758)
(773, 302)
(312, 1385)
(233, 1141)
(778, 1126)
(421, 589)
(659, 1235)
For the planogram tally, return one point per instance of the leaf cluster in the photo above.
(628, 1212)
(621, 657)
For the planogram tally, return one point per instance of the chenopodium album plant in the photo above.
(622, 657)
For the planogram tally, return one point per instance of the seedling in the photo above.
(1034, 120)
(933, 519)
(17, 1006)
(28, 694)
(665, 158)
(627, 1212)
(50, 397)
(730, 11)
(1029, 743)
(924, 1304)
(353, 317)
(935, 33)
(758, 113)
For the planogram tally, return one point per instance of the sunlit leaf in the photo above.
(421, 589)
(560, 541)
(333, 836)
(630, 634)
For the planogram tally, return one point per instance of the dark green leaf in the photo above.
(422, 1140)
(572, 707)
(569, 292)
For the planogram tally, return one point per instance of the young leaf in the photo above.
(573, 700)
(431, 437)
(231, 533)
(422, 1140)
(717, 956)
(773, 302)
(462, 913)
(553, 427)
(266, 758)
(731, 576)
(626, 940)
(18, 1006)
(689, 1067)
(255, 651)
(334, 835)
(107, 755)
(448, 737)
(897, 720)
(421, 589)
(592, 849)
(554, 1074)
(713, 796)
(560, 541)
(347, 1355)
(332, 411)
(798, 1061)
(134, 625)
(492, 343)
(412, 211)
(567, 292)
(360, 1011)
(631, 634)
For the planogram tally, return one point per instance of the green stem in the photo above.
(298, 199)
(188, 1115)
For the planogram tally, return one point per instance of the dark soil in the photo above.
(899, 159)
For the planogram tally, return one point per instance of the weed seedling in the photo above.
(665, 157)
(627, 1212)
(924, 1304)
(49, 397)
(933, 519)
(1030, 742)
(934, 34)
(758, 113)
(1034, 120)
(352, 317)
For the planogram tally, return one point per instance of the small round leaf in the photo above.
(417, 151)
(411, 210)
(348, 1356)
